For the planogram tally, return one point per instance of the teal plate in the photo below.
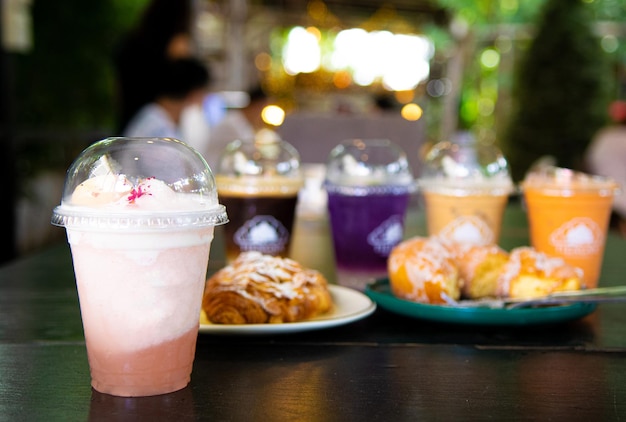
(380, 292)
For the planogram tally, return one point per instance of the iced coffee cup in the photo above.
(368, 182)
(258, 181)
(465, 187)
(139, 215)
(569, 214)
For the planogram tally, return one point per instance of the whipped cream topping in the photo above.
(451, 168)
(117, 191)
(101, 190)
(350, 172)
(115, 202)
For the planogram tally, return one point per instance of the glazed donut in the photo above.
(421, 269)
(479, 268)
(529, 274)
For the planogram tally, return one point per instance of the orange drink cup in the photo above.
(465, 215)
(465, 188)
(569, 214)
(139, 215)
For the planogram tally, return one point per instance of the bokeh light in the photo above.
(342, 79)
(263, 62)
(490, 58)
(273, 115)
(301, 53)
(404, 97)
(609, 43)
(412, 112)
(398, 61)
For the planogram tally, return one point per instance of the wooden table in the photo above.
(386, 367)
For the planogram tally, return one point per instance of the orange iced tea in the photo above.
(466, 185)
(472, 218)
(569, 213)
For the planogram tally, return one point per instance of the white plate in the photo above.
(349, 306)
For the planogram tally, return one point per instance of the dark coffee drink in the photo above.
(261, 215)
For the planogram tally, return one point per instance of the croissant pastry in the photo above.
(258, 288)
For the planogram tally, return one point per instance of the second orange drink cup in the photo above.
(569, 214)
(466, 186)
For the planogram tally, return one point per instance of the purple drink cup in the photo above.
(368, 184)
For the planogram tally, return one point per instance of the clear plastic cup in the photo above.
(569, 214)
(465, 186)
(139, 215)
(258, 181)
(368, 182)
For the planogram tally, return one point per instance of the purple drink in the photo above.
(366, 227)
(368, 182)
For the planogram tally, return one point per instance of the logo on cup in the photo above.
(262, 233)
(387, 235)
(579, 236)
(468, 229)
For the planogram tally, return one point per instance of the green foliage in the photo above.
(66, 82)
(560, 90)
(64, 88)
(481, 12)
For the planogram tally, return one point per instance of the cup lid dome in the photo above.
(465, 164)
(139, 182)
(368, 162)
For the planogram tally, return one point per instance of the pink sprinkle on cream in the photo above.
(139, 191)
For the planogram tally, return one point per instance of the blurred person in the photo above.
(164, 32)
(242, 124)
(606, 156)
(181, 83)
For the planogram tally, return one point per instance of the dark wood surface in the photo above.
(386, 367)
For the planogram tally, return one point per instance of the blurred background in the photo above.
(535, 77)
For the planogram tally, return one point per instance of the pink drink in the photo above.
(140, 248)
(140, 297)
